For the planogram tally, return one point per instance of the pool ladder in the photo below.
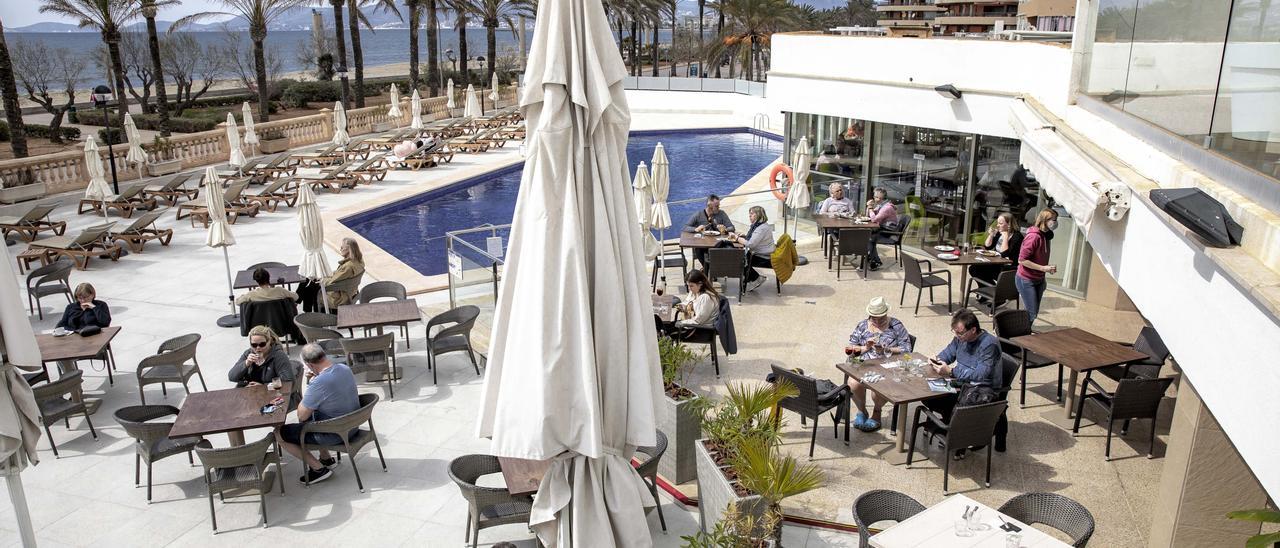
(760, 122)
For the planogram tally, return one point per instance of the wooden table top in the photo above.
(912, 389)
(935, 527)
(73, 346)
(695, 240)
(972, 257)
(669, 314)
(836, 222)
(234, 409)
(244, 278)
(523, 476)
(379, 313)
(1078, 349)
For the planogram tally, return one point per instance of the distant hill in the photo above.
(48, 27)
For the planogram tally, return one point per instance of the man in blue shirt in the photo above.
(708, 218)
(973, 357)
(331, 393)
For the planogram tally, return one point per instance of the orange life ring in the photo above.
(773, 179)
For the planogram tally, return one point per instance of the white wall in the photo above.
(691, 109)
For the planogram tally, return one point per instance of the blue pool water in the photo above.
(702, 162)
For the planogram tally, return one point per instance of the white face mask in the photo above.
(1053, 225)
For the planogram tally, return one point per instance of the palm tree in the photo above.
(751, 24)
(148, 8)
(702, 8)
(764, 471)
(461, 8)
(106, 16)
(341, 45)
(12, 112)
(433, 47)
(259, 14)
(413, 7)
(493, 13)
(357, 18)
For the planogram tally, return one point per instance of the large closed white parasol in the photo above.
(449, 104)
(798, 194)
(250, 132)
(573, 374)
(415, 108)
(643, 201)
(135, 155)
(493, 91)
(315, 265)
(19, 415)
(393, 111)
(219, 235)
(340, 136)
(472, 109)
(233, 141)
(98, 188)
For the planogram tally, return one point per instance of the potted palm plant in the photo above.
(736, 530)
(676, 416)
(165, 160)
(272, 141)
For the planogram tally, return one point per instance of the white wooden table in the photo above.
(935, 527)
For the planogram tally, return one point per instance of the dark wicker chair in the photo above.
(852, 242)
(672, 257)
(170, 364)
(353, 437)
(386, 290)
(51, 279)
(58, 401)
(317, 327)
(1054, 510)
(487, 506)
(710, 335)
(997, 294)
(241, 467)
(1149, 343)
(1016, 323)
(726, 263)
(893, 236)
(454, 336)
(881, 505)
(1133, 399)
(971, 426)
(270, 264)
(373, 355)
(648, 470)
(920, 279)
(151, 439)
(811, 404)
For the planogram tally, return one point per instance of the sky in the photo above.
(20, 13)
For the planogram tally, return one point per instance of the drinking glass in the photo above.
(962, 528)
(1013, 540)
(276, 384)
(975, 522)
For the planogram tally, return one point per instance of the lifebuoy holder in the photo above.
(784, 169)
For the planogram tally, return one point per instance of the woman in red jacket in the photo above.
(1033, 261)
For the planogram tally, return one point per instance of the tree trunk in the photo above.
(357, 55)
(462, 49)
(412, 6)
(491, 38)
(162, 100)
(55, 124)
(433, 48)
(720, 32)
(12, 112)
(653, 71)
(702, 70)
(635, 46)
(117, 74)
(674, 8)
(342, 52)
(260, 73)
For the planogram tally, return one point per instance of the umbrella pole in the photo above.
(324, 297)
(18, 498)
(232, 319)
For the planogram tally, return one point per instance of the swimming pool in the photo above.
(702, 162)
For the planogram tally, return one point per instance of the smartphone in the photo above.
(268, 409)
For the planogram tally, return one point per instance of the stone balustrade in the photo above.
(65, 171)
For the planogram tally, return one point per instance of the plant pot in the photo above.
(272, 146)
(681, 425)
(166, 167)
(716, 493)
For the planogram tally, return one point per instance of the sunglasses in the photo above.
(258, 344)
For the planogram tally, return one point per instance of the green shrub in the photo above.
(111, 135)
(301, 94)
(41, 131)
(150, 122)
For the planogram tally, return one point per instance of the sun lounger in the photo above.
(89, 243)
(390, 140)
(126, 202)
(328, 155)
(234, 202)
(471, 143)
(280, 164)
(493, 136)
(447, 129)
(427, 155)
(373, 168)
(35, 220)
(356, 148)
(279, 191)
(141, 231)
(334, 179)
(169, 190)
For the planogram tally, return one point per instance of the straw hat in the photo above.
(877, 307)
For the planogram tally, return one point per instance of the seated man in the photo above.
(882, 212)
(836, 203)
(973, 357)
(331, 393)
(265, 291)
(708, 218)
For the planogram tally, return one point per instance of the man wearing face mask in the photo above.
(1033, 261)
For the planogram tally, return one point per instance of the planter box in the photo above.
(272, 146)
(715, 493)
(166, 167)
(15, 194)
(681, 426)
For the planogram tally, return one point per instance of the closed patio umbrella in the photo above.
(19, 416)
(472, 108)
(340, 136)
(415, 109)
(573, 372)
(98, 188)
(643, 201)
(660, 187)
(449, 104)
(493, 91)
(311, 230)
(233, 140)
(798, 196)
(219, 235)
(136, 155)
(393, 111)
(250, 133)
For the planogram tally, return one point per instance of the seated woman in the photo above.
(264, 361)
(1004, 238)
(351, 266)
(878, 336)
(265, 291)
(700, 306)
(86, 311)
(759, 242)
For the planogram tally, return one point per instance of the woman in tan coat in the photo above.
(351, 266)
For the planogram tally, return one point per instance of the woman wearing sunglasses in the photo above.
(264, 361)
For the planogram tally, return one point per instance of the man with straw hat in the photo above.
(878, 336)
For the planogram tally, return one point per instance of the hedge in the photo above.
(149, 121)
(40, 131)
(117, 136)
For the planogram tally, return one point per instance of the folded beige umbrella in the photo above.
(19, 416)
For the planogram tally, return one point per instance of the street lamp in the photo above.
(342, 75)
(101, 96)
(453, 59)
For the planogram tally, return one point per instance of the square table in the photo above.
(523, 476)
(231, 411)
(379, 314)
(694, 240)
(663, 307)
(1079, 351)
(73, 347)
(900, 394)
(935, 527)
(833, 223)
(244, 278)
(965, 260)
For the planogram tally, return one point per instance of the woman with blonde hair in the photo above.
(86, 311)
(1033, 261)
(758, 241)
(350, 267)
(264, 361)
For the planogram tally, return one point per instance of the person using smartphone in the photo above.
(972, 357)
(263, 361)
(878, 336)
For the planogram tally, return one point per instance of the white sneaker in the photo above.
(759, 282)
